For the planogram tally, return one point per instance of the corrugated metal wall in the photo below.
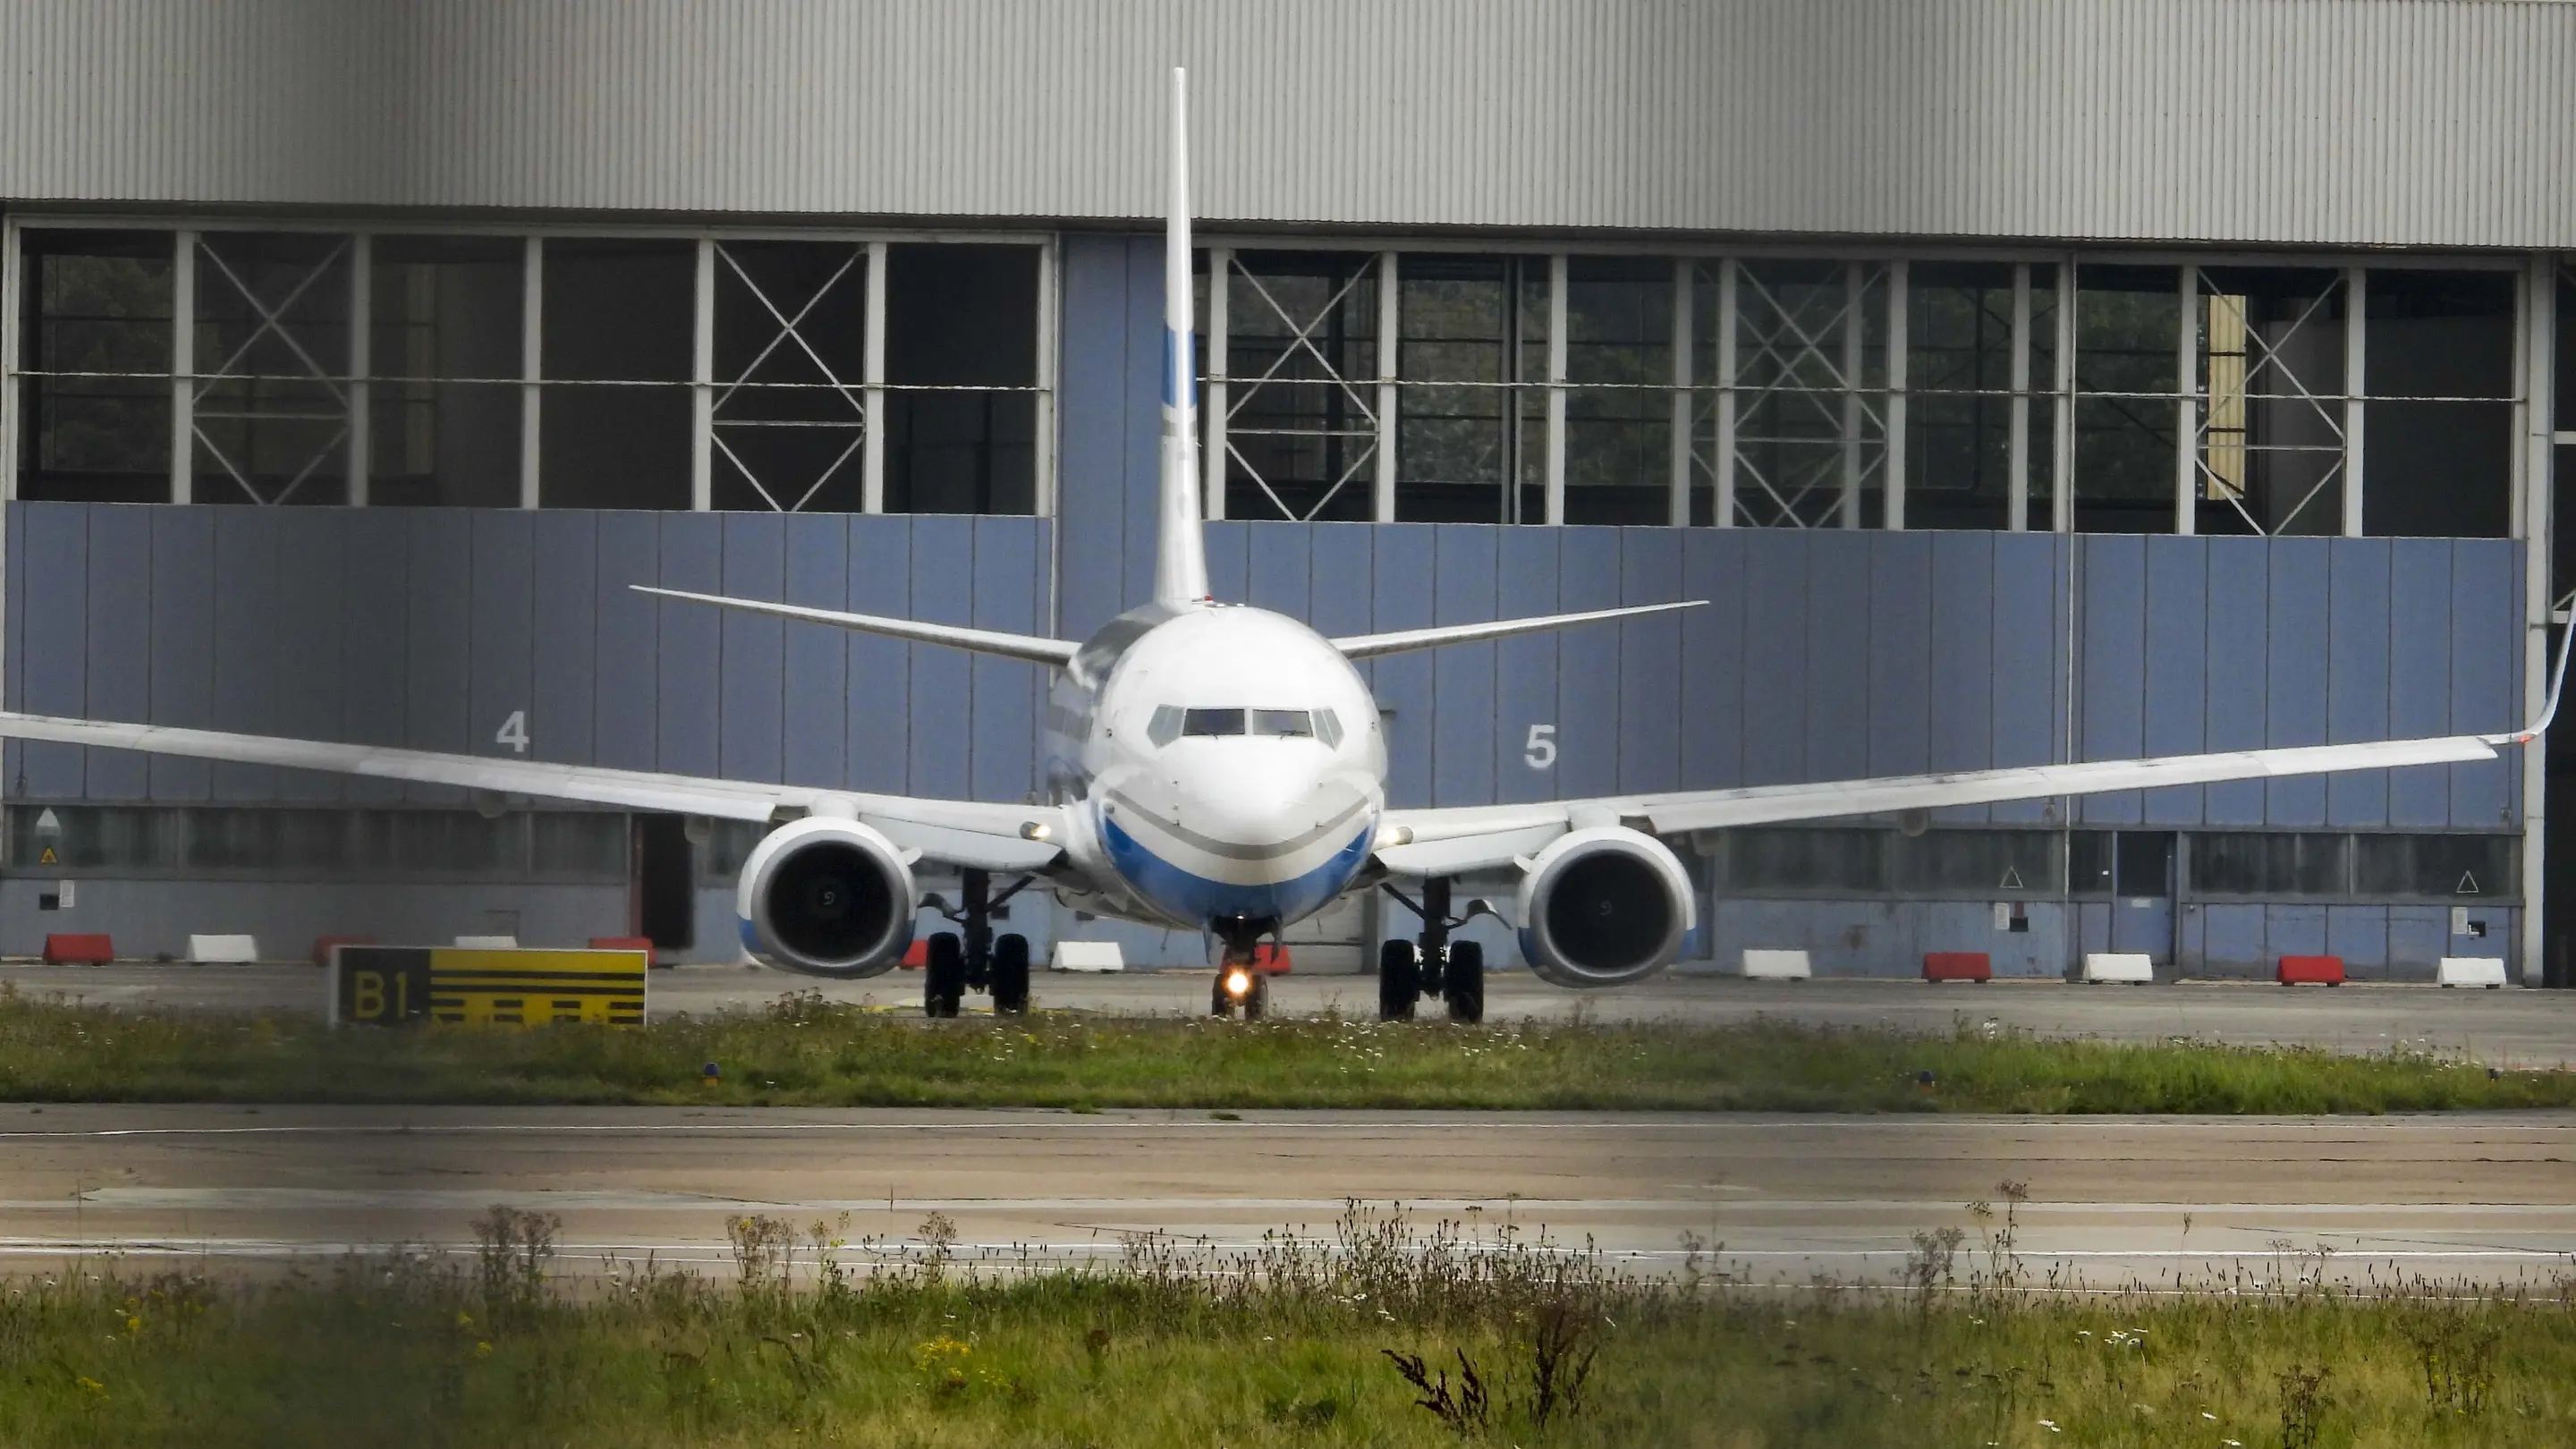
(2437, 122)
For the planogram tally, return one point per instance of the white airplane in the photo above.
(1219, 768)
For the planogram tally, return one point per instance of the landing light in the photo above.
(1238, 982)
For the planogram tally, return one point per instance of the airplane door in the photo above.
(2142, 893)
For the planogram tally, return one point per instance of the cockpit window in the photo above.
(1165, 726)
(1328, 728)
(1212, 722)
(1281, 722)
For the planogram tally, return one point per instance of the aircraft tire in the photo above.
(1463, 984)
(943, 978)
(1256, 1005)
(1011, 975)
(1399, 981)
(1220, 1005)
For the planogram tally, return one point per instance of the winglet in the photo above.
(2548, 707)
(1180, 553)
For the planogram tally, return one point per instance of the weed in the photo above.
(512, 1248)
(2304, 1402)
(1466, 1411)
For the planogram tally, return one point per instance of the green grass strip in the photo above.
(804, 1051)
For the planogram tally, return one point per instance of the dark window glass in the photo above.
(2439, 424)
(2434, 867)
(617, 312)
(2270, 452)
(444, 343)
(1212, 722)
(1301, 346)
(567, 843)
(790, 361)
(1619, 406)
(2268, 864)
(729, 844)
(1998, 863)
(1466, 326)
(2142, 862)
(459, 842)
(91, 837)
(95, 419)
(2088, 862)
(1805, 860)
(2127, 326)
(964, 318)
(2565, 371)
(1281, 722)
(1958, 372)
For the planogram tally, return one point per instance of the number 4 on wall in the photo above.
(514, 732)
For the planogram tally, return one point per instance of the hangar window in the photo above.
(1471, 424)
(444, 358)
(272, 401)
(95, 395)
(2456, 868)
(961, 371)
(1998, 864)
(1300, 365)
(1980, 371)
(1800, 434)
(2269, 453)
(317, 843)
(1804, 860)
(2276, 864)
(789, 410)
(2438, 456)
(2128, 397)
(614, 426)
(1619, 398)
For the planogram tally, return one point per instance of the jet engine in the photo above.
(827, 896)
(1603, 907)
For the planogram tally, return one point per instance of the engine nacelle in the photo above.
(1604, 907)
(827, 896)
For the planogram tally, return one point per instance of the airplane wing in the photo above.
(1058, 652)
(959, 832)
(1448, 841)
(1369, 646)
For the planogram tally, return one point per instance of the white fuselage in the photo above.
(1220, 766)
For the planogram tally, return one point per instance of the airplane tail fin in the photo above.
(1180, 557)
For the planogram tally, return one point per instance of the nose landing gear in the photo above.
(1431, 964)
(1240, 985)
(976, 960)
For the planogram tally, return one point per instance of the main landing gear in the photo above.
(1431, 964)
(977, 960)
(1240, 985)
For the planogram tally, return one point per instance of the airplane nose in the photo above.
(1255, 801)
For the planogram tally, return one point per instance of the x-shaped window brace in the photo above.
(2259, 355)
(1302, 337)
(271, 320)
(790, 330)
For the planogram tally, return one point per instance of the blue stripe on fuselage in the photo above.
(1197, 899)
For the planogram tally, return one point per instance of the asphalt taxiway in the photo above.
(2489, 1198)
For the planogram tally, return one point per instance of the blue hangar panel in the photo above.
(2177, 668)
(118, 674)
(1587, 683)
(943, 696)
(1401, 562)
(375, 585)
(626, 723)
(246, 662)
(1525, 667)
(563, 644)
(2357, 663)
(2029, 678)
(1960, 716)
(501, 657)
(1093, 394)
(439, 679)
(2419, 675)
(689, 644)
(311, 625)
(751, 727)
(2486, 662)
(1900, 654)
(2298, 650)
(1837, 626)
(878, 713)
(1462, 676)
(1009, 578)
(2239, 632)
(2110, 714)
(816, 657)
(1650, 662)
(54, 610)
(1712, 662)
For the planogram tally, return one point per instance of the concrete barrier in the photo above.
(487, 943)
(2127, 968)
(1974, 966)
(79, 948)
(1762, 965)
(1087, 956)
(223, 950)
(2311, 970)
(2486, 971)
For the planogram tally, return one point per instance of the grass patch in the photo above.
(1381, 1335)
(804, 1051)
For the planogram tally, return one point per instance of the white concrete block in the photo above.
(223, 950)
(2485, 971)
(487, 943)
(1087, 956)
(2132, 968)
(1776, 965)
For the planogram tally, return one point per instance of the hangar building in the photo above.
(2018, 382)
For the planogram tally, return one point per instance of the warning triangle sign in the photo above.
(2012, 879)
(48, 857)
(2468, 885)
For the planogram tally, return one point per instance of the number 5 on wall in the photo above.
(1541, 749)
